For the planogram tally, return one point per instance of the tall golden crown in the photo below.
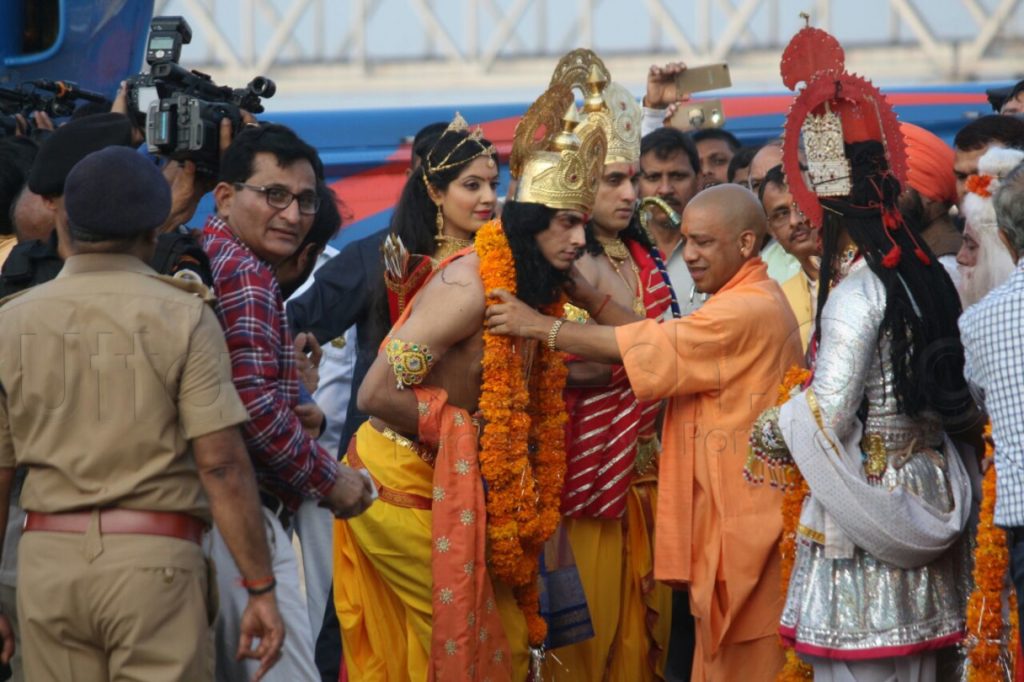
(559, 169)
(574, 69)
(611, 107)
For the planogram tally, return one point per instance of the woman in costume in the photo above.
(443, 204)
(877, 581)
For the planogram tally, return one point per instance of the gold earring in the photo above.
(439, 221)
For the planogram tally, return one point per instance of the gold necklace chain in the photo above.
(617, 253)
(447, 245)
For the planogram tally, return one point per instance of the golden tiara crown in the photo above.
(559, 169)
(605, 104)
(475, 136)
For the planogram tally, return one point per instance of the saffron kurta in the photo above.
(716, 534)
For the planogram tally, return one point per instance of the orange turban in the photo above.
(931, 164)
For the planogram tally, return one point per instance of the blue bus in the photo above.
(98, 43)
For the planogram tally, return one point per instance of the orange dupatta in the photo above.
(467, 640)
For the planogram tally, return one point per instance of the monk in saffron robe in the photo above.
(716, 535)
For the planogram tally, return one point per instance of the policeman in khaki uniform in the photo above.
(117, 398)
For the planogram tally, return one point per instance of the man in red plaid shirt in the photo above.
(266, 200)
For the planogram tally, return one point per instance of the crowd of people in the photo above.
(671, 409)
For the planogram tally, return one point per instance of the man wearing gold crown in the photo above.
(879, 494)
(718, 367)
(611, 442)
(442, 584)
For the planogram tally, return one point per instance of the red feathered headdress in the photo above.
(834, 108)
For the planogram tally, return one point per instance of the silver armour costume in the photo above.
(849, 604)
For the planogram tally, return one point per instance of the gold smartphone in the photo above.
(701, 78)
(695, 115)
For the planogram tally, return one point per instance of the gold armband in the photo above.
(575, 313)
(411, 362)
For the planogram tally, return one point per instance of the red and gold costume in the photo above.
(610, 491)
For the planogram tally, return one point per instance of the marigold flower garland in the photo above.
(792, 505)
(990, 645)
(524, 484)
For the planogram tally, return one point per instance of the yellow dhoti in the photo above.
(631, 613)
(382, 573)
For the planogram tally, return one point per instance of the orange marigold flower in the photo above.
(978, 184)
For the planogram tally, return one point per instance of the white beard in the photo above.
(993, 267)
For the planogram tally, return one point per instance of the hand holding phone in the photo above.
(703, 78)
(698, 114)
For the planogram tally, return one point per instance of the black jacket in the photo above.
(342, 294)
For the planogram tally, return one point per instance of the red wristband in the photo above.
(260, 586)
(597, 312)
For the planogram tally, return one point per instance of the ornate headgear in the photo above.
(476, 137)
(605, 104)
(993, 166)
(559, 169)
(833, 109)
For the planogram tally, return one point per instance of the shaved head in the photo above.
(722, 229)
(766, 158)
(738, 207)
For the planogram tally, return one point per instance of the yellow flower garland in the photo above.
(987, 634)
(524, 485)
(792, 505)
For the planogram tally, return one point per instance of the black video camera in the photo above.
(181, 110)
(57, 99)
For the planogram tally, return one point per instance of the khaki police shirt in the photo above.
(107, 373)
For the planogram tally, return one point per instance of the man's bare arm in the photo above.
(587, 294)
(226, 473)
(512, 317)
(228, 478)
(449, 310)
(585, 374)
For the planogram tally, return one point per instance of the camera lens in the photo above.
(262, 86)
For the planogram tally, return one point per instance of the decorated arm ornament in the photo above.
(411, 362)
(768, 457)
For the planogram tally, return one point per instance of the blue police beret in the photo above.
(116, 193)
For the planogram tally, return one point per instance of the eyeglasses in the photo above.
(280, 198)
(781, 216)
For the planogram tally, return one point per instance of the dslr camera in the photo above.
(57, 99)
(181, 110)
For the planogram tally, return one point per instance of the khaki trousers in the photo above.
(113, 607)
